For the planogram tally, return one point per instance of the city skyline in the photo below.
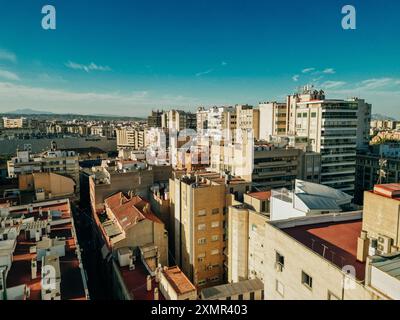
(130, 58)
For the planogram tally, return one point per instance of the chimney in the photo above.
(148, 283)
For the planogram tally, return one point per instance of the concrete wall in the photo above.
(328, 279)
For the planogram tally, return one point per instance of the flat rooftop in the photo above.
(261, 195)
(72, 287)
(232, 289)
(335, 241)
(178, 280)
(136, 283)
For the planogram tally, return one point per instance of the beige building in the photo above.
(247, 117)
(13, 123)
(52, 161)
(131, 138)
(130, 223)
(199, 202)
(273, 119)
(305, 259)
(174, 285)
(246, 235)
(266, 165)
(47, 185)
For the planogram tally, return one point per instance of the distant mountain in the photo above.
(27, 111)
(378, 116)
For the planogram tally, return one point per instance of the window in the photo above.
(305, 115)
(313, 114)
(306, 280)
(201, 227)
(279, 288)
(201, 241)
(201, 283)
(214, 252)
(201, 257)
(252, 296)
(215, 211)
(201, 213)
(240, 297)
(214, 238)
(215, 224)
(279, 259)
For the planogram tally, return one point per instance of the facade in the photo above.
(14, 123)
(154, 119)
(199, 203)
(130, 138)
(248, 118)
(246, 233)
(369, 164)
(266, 165)
(178, 120)
(273, 119)
(47, 185)
(331, 127)
(52, 161)
(306, 260)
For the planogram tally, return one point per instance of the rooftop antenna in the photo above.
(382, 170)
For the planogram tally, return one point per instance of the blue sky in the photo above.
(128, 57)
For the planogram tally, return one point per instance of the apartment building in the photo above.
(46, 185)
(13, 123)
(154, 119)
(248, 118)
(273, 119)
(40, 257)
(178, 120)
(266, 165)
(130, 138)
(97, 183)
(52, 161)
(246, 233)
(199, 203)
(305, 259)
(331, 127)
(342, 256)
(379, 164)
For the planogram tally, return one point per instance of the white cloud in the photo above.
(329, 71)
(224, 63)
(378, 82)
(295, 78)
(8, 75)
(137, 103)
(199, 74)
(8, 56)
(307, 70)
(90, 67)
(332, 84)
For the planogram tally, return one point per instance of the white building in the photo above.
(307, 199)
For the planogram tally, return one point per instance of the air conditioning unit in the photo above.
(278, 267)
(384, 244)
